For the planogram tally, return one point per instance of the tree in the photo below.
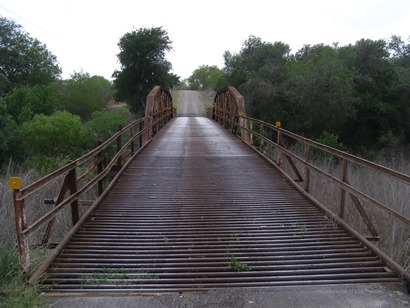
(85, 94)
(24, 102)
(319, 91)
(374, 80)
(400, 91)
(23, 59)
(8, 129)
(258, 72)
(207, 77)
(143, 65)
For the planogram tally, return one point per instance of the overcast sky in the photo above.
(84, 34)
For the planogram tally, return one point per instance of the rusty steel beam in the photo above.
(72, 182)
(200, 213)
(57, 250)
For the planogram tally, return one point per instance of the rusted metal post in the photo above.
(100, 168)
(307, 169)
(119, 145)
(72, 184)
(59, 199)
(20, 219)
(21, 238)
(366, 218)
(343, 177)
(261, 143)
(251, 131)
(141, 127)
(132, 142)
(280, 143)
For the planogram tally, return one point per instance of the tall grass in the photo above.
(394, 234)
(34, 205)
(14, 292)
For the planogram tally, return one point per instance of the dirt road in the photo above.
(190, 104)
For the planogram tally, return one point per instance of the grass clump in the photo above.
(236, 266)
(15, 292)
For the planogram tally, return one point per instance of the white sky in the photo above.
(84, 34)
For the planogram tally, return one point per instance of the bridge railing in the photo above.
(228, 107)
(49, 211)
(367, 199)
(159, 110)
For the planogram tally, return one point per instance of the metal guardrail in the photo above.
(82, 184)
(297, 158)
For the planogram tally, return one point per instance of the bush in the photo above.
(25, 102)
(104, 124)
(84, 94)
(45, 165)
(331, 140)
(60, 134)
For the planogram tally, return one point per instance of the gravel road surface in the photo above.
(190, 104)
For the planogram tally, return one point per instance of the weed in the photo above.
(300, 230)
(14, 291)
(236, 266)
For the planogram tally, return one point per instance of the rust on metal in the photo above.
(229, 108)
(198, 209)
(355, 194)
(77, 185)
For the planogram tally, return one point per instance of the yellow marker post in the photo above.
(15, 183)
(278, 124)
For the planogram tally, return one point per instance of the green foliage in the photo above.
(9, 264)
(374, 78)
(14, 291)
(319, 88)
(236, 266)
(331, 140)
(44, 164)
(23, 59)
(24, 102)
(58, 135)
(363, 88)
(143, 65)
(104, 124)
(388, 139)
(85, 94)
(182, 85)
(207, 77)
(8, 129)
(258, 71)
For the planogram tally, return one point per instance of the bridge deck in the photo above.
(199, 209)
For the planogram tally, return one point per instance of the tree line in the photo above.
(46, 121)
(355, 96)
